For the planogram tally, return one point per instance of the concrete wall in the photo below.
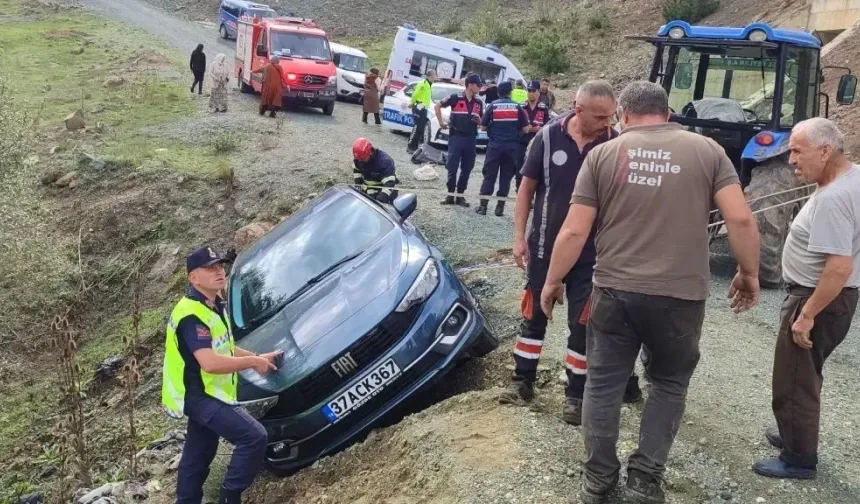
(827, 17)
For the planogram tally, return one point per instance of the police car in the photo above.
(397, 114)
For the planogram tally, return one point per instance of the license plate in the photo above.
(482, 135)
(305, 94)
(368, 386)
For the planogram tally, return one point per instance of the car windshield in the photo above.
(311, 246)
(261, 13)
(439, 93)
(300, 45)
(353, 63)
(747, 77)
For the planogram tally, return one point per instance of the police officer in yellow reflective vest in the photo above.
(519, 94)
(199, 382)
(421, 100)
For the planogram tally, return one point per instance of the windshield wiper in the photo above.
(304, 288)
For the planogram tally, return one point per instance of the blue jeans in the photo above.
(208, 420)
(461, 154)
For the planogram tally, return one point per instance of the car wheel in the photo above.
(224, 34)
(486, 343)
(328, 109)
(244, 88)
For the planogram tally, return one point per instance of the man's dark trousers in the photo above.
(208, 420)
(419, 119)
(620, 323)
(500, 161)
(527, 349)
(461, 155)
(797, 372)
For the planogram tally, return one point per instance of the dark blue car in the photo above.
(367, 313)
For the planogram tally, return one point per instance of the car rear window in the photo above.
(314, 242)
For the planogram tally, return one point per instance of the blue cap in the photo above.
(505, 87)
(534, 85)
(473, 79)
(201, 258)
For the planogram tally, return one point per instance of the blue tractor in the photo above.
(746, 88)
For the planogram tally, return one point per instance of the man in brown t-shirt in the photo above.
(650, 191)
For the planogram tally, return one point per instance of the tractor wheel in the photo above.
(773, 176)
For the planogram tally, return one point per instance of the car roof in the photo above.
(795, 37)
(340, 48)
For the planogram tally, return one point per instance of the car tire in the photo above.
(224, 34)
(244, 88)
(486, 343)
(328, 109)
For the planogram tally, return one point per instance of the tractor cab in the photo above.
(746, 88)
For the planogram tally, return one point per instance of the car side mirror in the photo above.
(405, 205)
(847, 89)
(261, 51)
(336, 59)
(683, 76)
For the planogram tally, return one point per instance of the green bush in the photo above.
(451, 25)
(598, 20)
(691, 11)
(225, 142)
(490, 28)
(547, 52)
(542, 11)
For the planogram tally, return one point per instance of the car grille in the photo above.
(322, 383)
(315, 80)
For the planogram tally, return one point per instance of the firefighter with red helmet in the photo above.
(374, 171)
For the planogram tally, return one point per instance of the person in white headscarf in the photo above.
(220, 77)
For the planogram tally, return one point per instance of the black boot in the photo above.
(449, 200)
(272, 113)
(229, 497)
(500, 208)
(482, 207)
(461, 201)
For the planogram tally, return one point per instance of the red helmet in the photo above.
(362, 149)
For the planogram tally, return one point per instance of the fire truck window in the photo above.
(297, 45)
(422, 62)
(263, 39)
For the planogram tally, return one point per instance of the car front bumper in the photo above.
(441, 137)
(424, 353)
(311, 98)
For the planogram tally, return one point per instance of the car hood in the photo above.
(323, 322)
(357, 76)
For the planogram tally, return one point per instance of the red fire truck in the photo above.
(305, 55)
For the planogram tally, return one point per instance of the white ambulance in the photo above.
(415, 52)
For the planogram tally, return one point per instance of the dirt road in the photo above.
(533, 454)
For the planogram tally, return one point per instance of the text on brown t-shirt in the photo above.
(654, 188)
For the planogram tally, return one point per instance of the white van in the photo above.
(352, 66)
(415, 52)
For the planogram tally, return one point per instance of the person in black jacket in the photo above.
(198, 68)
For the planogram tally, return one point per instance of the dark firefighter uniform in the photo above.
(554, 161)
(462, 140)
(537, 115)
(504, 121)
(378, 172)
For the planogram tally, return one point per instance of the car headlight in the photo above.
(332, 79)
(423, 286)
(259, 407)
(351, 80)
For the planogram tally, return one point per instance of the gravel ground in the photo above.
(468, 449)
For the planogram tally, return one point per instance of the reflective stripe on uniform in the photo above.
(390, 178)
(543, 217)
(576, 363)
(528, 348)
